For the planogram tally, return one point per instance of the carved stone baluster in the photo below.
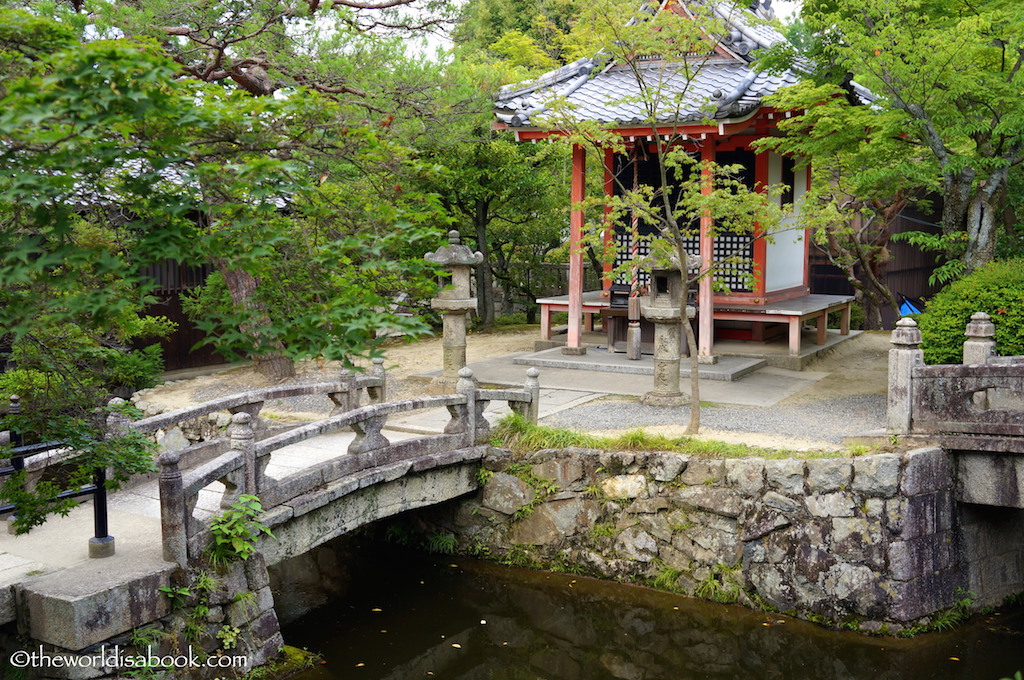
(979, 347)
(173, 510)
(190, 522)
(477, 429)
(483, 428)
(368, 435)
(253, 409)
(242, 441)
(529, 409)
(378, 395)
(347, 399)
(903, 357)
(457, 425)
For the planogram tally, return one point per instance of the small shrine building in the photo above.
(717, 112)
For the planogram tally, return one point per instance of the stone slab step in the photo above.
(728, 368)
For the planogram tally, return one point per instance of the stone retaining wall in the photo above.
(867, 540)
(81, 637)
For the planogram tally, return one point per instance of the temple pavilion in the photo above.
(717, 112)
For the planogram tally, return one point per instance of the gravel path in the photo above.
(826, 419)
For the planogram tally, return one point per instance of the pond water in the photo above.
(419, 616)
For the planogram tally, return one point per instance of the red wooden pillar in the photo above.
(579, 176)
(608, 236)
(760, 237)
(705, 293)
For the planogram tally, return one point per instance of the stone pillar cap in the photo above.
(454, 253)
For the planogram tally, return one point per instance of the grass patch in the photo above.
(519, 435)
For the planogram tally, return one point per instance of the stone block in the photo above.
(855, 538)
(916, 557)
(91, 602)
(926, 470)
(781, 503)
(674, 558)
(564, 471)
(256, 575)
(616, 462)
(725, 546)
(859, 586)
(647, 506)
(703, 472)
(266, 626)
(786, 476)
(1000, 575)
(812, 562)
(753, 553)
(874, 508)
(926, 595)
(636, 544)
(876, 475)
(658, 526)
(927, 514)
(7, 604)
(746, 475)
(990, 479)
(894, 512)
(505, 493)
(829, 474)
(717, 500)
(665, 467)
(625, 486)
(837, 504)
(762, 522)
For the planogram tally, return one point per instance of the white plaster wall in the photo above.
(785, 262)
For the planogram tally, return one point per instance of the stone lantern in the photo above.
(664, 308)
(453, 301)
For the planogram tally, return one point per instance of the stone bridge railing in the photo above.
(241, 460)
(977, 405)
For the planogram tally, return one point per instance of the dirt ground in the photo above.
(402, 359)
(854, 367)
(858, 366)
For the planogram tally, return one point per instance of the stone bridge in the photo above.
(974, 410)
(103, 600)
(374, 478)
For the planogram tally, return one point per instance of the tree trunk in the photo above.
(242, 286)
(974, 210)
(693, 427)
(484, 280)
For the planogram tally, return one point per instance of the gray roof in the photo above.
(719, 86)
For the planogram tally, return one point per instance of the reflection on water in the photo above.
(422, 617)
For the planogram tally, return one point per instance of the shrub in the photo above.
(996, 289)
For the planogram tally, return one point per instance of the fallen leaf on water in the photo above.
(384, 631)
(454, 565)
(360, 665)
(376, 609)
(456, 645)
(954, 658)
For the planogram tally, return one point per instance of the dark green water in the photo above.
(416, 616)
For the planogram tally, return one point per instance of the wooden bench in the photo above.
(593, 302)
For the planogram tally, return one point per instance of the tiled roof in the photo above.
(715, 87)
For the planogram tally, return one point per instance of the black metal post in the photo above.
(99, 506)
